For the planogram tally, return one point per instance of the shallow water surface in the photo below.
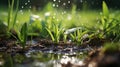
(36, 58)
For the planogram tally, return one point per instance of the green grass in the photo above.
(95, 20)
(80, 18)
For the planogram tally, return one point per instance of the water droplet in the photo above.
(59, 1)
(22, 7)
(69, 17)
(53, 5)
(26, 3)
(21, 11)
(57, 5)
(54, 0)
(29, 6)
(64, 4)
(47, 14)
(68, 1)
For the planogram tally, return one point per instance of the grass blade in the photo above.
(50, 33)
(15, 17)
(105, 9)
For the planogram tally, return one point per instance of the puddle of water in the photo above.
(45, 57)
(39, 59)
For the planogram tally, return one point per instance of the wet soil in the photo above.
(93, 48)
(12, 46)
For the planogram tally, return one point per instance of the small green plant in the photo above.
(12, 19)
(76, 34)
(56, 32)
(105, 18)
(22, 35)
(34, 26)
(109, 25)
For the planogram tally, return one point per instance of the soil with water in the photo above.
(44, 53)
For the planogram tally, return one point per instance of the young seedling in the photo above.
(22, 35)
(56, 33)
(76, 34)
(12, 19)
(109, 24)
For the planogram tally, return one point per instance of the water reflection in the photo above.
(39, 59)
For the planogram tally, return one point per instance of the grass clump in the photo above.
(109, 27)
(12, 19)
(76, 34)
(22, 35)
(56, 33)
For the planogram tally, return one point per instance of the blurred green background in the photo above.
(92, 4)
(70, 12)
